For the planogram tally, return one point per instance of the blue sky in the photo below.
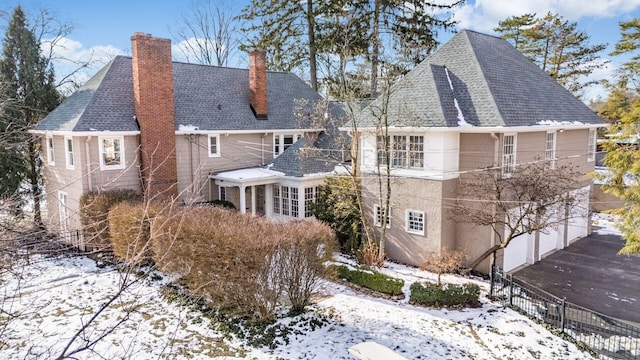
(104, 28)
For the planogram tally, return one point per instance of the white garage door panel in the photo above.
(515, 254)
(579, 217)
(548, 242)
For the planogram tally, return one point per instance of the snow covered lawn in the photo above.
(51, 299)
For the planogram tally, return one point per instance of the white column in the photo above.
(253, 200)
(243, 201)
(268, 200)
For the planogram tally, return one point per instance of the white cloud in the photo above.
(69, 54)
(484, 15)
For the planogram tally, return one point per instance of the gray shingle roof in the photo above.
(493, 84)
(305, 158)
(208, 97)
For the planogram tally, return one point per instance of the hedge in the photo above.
(371, 280)
(130, 230)
(450, 295)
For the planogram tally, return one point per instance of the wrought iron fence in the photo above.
(608, 337)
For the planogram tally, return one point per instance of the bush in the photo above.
(450, 295)
(130, 230)
(240, 262)
(372, 280)
(445, 262)
(94, 211)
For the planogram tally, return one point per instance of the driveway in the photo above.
(589, 273)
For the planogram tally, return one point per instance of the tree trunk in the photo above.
(36, 192)
(375, 49)
(312, 46)
(485, 255)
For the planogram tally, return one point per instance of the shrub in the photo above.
(450, 295)
(130, 230)
(94, 211)
(372, 280)
(240, 262)
(443, 263)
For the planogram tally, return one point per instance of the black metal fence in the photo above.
(608, 337)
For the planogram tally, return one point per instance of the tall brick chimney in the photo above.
(154, 109)
(258, 83)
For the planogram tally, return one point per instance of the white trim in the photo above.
(279, 136)
(377, 220)
(550, 153)
(63, 209)
(407, 222)
(591, 145)
(480, 129)
(104, 166)
(51, 150)
(217, 137)
(513, 160)
(69, 155)
(84, 133)
(252, 131)
(222, 193)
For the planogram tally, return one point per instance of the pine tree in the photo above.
(622, 151)
(29, 83)
(557, 46)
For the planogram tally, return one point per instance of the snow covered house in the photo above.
(476, 102)
(186, 131)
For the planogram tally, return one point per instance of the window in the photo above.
(378, 213)
(51, 154)
(591, 146)
(415, 222)
(310, 195)
(281, 142)
(68, 148)
(111, 152)
(508, 154)
(276, 199)
(214, 145)
(286, 201)
(222, 193)
(550, 150)
(63, 209)
(405, 151)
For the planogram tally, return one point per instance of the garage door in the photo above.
(579, 216)
(515, 254)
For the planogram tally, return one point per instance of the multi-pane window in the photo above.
(282, 142)
(286, 200)
(214, 145)
(379, 218)
(415, 222)
(294, 202)
(550, 150)
(591, 145)
(399, 152)
(68, 148)
(404, 151)
(310, 194)
(63, 209)
(111, 153)
(223, 193)
(276, 199)
(416, 151)
(508, 154)
(51, 154)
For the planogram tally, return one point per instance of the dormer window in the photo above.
(281, 142)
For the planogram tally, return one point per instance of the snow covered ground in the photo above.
(45, 304)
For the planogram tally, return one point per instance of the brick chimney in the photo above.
(258, 83)
(154, 109)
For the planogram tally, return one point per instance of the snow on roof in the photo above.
(559, 123)
(247, 174)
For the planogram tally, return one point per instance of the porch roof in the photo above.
(247, 177)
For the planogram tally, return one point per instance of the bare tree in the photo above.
(208, 35)
(534, 198)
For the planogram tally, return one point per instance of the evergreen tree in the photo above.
(29, 84)
(557, 46)
(622, 148)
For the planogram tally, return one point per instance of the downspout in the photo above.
(190, 140)
(87, 150)
(262, 148)
(496, 159)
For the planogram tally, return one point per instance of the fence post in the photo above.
(562, 314)
(492, 278)
(510, 279)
